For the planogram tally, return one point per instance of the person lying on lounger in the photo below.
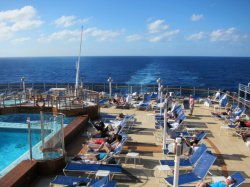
(101, 156)
(227, 114)
(228, 182)
(102, 131)
(98, 143)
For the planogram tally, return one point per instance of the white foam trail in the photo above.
(147, 75)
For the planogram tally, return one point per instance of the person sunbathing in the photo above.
(98, 143)
(97, 156)
(227, 114)
(194, 141)
(120, 116)
(102, 131)
(172, 115)
(228, 182)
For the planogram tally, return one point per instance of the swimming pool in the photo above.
(14, 137)
(12, 102)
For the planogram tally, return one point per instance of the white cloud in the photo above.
(67, 21)
(230, 35)
(103, 35)
(197, 36)
(134, 37)
(20, 40)
(197, 17)
(166, 36)
(73, 35)
(157, 26)
(69, 35)
(12, 21)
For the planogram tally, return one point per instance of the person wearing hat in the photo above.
(191, 105)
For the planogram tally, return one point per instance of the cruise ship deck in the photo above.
(231, 151)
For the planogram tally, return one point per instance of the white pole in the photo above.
(161, 89)
(62, 131)
(30, 141)
(110, 89)
(159, 85)
(177, 161)
(23, 86)
(42, 128)
(78, 66)
(110, 86)
(165, 127)
(23, 81)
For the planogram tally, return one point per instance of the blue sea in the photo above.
(205, 72)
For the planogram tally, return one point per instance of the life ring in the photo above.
(40, 103)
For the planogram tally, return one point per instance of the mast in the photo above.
(78, 66)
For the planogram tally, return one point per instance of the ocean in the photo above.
(204, 72)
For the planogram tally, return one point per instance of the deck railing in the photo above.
(91, 92)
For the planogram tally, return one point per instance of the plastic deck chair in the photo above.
(72, 181)
(187, 162)
(237, 175)
(145, 104)
(104, 182)
(181, 117)
(68, 180)
(92, 168)
(239, 179)
(102, 102)
(200, 137)
(198, 173)
(125, 123)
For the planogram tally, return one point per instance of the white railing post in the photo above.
(29, 139)
(159, 85)
(177, 161)
(161, 90)
(164, 127)
(110, 86)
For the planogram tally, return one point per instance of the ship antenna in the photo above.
(78, 66)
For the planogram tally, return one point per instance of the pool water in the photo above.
(12, 102)
(14, 143)
(14, 136)
(22, 118)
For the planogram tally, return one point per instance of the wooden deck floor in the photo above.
(232, 154)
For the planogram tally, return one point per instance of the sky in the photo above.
(125, 27)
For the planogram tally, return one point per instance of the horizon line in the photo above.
(123, 56)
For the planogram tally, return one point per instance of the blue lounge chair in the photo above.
(102, 102)
(180, 118)
(190, 161)
(72, 181)
(154, 95)
(92, 168)
(145, 104)
(177, 109)
(239, 179)
(104, 182)
(69, 180)
(197, 174)
(200, 136)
